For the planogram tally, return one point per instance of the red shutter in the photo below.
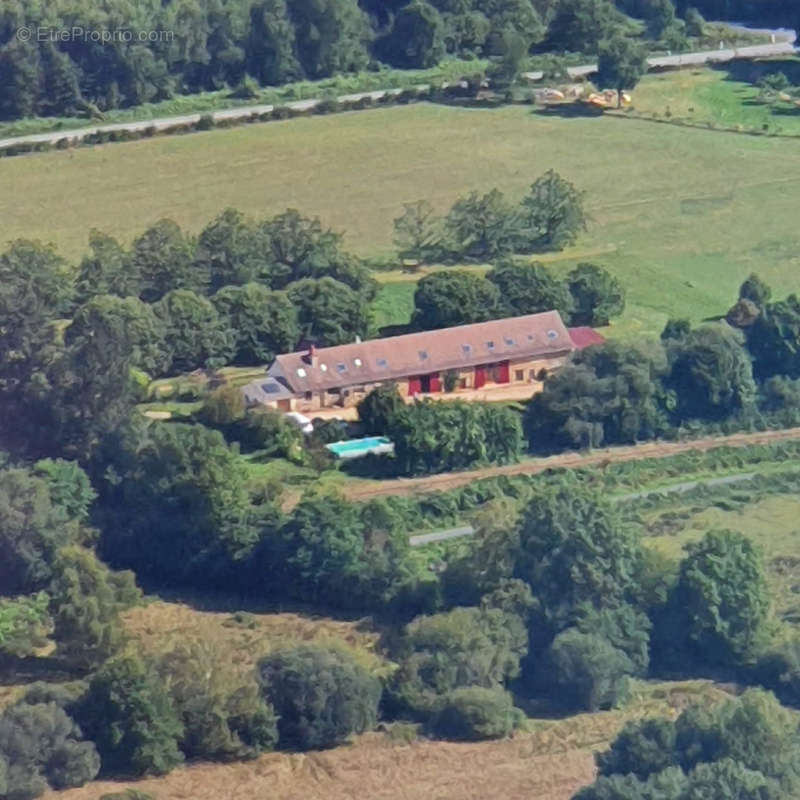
(503, 372)
(414, 385)
(436, 382)
(480, 377)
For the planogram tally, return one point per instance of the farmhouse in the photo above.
(518, 350)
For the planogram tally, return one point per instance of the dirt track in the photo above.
(611, 455)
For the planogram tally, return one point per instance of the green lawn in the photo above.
(712, 95)
(680, 215)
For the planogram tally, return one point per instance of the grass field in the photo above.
(770, 522)
(681, 215)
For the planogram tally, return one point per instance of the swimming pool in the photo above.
(354, 448)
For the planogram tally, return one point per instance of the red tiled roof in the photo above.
(584, 336)
(531, 336)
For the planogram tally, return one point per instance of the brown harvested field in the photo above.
(243, 637)
(548, 763)
(375, 769)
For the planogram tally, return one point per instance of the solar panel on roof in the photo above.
(341, 367)
(270, 388)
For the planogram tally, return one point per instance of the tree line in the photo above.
(727, 375)
(83, 343)
(184, 46)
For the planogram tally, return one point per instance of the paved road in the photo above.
(784, 45)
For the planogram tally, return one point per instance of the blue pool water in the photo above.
(353, 448)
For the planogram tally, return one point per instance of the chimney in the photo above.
(312, 355)
(358, 339)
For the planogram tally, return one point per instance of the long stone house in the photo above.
(517, 350)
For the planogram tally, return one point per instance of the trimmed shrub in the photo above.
(474, 713)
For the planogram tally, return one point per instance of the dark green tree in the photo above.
(377, 410)
(597, 295)
(621, 62)
(231, 250)
(32, 530)
(69, 486)
(270, 48)
(483, 226)
(643, 748)
(473, 713)
(755, 289)
(580, 25)
(552, 213)
(324, 544)
(197, 335)
(129, 716)
(177, 491)
(331, 35)
(604, 394)
(530, 288)
(85, 601)
(163, 259)
(419, 232)
(584, 671)
(321, 695)
(574, 552)
(24, 625)
(107, 269)
(774, 339)
(263, 322)
(721, 604)
(454, 297)
(223, 714)
(711, 376)
(659, 17)
(329, 311)
(460, 648)
(41, 748)
(416, 38)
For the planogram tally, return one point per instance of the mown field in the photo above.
(681, 215)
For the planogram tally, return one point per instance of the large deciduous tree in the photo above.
(552, 213)
(174, 502)
(416, 38)
(610, 393)
(718, 612)
(621, 62)
(711, 375)
(321, 694)
(263, 322)
(483, 226)
(455, 297)
(530, 288)
(197, 336)
(128, 714)
(41, 748)
(597, 295)
(329, 311)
